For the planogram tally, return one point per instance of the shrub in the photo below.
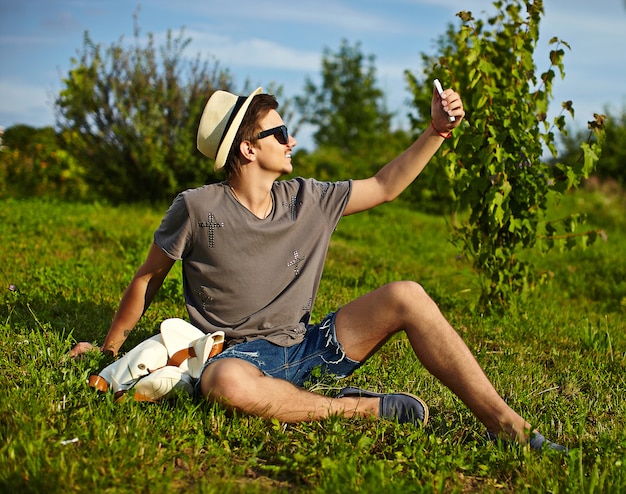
(493, 168)
(130, 116)
(32, 163)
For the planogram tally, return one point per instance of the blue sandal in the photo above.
(401, 407)
(537, 442)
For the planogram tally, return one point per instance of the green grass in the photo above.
(558, 357)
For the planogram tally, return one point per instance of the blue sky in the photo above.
(283, 42)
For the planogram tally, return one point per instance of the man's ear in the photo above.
(248, 151)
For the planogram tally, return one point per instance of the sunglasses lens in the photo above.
(282, 135)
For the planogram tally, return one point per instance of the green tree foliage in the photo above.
(33, 163)
(130, 116)
(493, 165)
(612, 164)
(352, 125)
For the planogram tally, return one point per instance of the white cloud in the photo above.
(253, 52)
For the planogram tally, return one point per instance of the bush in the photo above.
(32, 163)
(493, 167)
(130, 116)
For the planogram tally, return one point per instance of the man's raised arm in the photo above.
(400, 172)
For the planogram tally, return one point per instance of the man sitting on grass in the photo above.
(253, 250)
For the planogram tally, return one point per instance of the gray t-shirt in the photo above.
(253, 278)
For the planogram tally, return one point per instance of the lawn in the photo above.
(558, 356)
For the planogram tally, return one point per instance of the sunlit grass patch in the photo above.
(558, 357)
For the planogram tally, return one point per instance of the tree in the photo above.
(493, 165)
(130, 115)
(348, 112)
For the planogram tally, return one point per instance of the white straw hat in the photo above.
(220, 121)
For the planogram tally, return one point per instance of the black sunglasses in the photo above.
(280, 133)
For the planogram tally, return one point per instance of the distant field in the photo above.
(558, 357)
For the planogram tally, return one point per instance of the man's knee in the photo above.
(225, 380)
(406, 293)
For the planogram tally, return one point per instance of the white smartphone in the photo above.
(439, 89)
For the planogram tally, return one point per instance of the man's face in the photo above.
(271, 154)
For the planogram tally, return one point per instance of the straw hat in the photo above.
(220, 121)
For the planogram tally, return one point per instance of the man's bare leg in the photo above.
(240, 385)
(365, 324)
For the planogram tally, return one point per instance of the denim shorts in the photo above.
(318, 350)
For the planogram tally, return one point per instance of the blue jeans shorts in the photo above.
(319, 350)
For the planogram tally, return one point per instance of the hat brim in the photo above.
(227, 142)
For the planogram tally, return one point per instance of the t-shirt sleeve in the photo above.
(174, 233)
(334, 197)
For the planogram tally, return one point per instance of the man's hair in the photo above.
(260, 106)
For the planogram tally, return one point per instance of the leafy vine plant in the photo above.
(496, 169)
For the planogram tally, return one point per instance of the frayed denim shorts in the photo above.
(319, 351)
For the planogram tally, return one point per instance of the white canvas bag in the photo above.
(162, 365)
